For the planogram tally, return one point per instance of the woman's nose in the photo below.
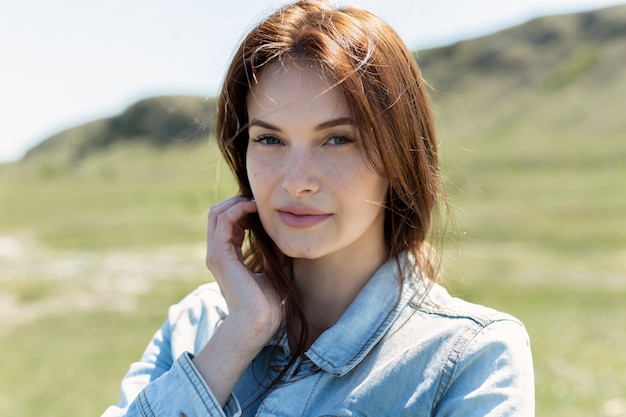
(300, 178)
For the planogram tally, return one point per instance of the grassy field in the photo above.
(92, 254)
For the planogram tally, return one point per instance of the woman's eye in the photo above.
(267, 140)
(340, 140)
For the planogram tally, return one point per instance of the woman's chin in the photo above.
(300, 252)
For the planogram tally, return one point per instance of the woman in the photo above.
(331, 307)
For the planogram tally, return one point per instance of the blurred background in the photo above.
(109, 168)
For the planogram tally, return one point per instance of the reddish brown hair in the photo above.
(383, 86)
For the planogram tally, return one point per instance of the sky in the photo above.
(67, 62)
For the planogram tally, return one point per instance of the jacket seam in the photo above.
(452, 361)
(308, 400)
(195, 379)
(144, 405)
(377, 335)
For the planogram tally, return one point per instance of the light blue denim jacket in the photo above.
(392, 353)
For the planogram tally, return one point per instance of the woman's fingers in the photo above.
(219, 209)
(250, 296)
(225, 236)
(226, 230)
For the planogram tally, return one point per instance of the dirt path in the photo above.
(36, 281)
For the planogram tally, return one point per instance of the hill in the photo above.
(550, 51)
(524, 115)
(555, 72)
(158, 122)
(555, 75)
(530, 120)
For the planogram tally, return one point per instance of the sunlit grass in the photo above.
(128, 197)
(71, 363)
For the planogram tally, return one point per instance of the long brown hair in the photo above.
(385, 91)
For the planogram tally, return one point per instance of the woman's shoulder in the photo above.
(461, 336)
(487, 352)
(461, 324)
(439, 302)
(468, 351)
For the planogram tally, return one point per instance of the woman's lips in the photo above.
(300, 218)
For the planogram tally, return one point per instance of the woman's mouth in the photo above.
(301, 218)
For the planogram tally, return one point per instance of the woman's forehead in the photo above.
(288, 88)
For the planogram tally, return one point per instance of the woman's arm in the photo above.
(492, 376)
(164, 381)
(255, 313)
(161, 384)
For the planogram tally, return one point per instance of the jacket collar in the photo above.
(370, 316)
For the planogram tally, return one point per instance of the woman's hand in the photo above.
(254, 310)
(250, 297)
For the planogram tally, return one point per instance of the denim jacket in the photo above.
(395, 352)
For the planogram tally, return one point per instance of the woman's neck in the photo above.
(327, 286)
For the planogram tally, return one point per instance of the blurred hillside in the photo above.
(530, 120)
(558, 76)
(158, 122)
(551, 52)
(528, 117)
(532, 125)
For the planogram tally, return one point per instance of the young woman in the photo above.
(325, 301)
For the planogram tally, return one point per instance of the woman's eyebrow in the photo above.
(340, 121)
(264, 125)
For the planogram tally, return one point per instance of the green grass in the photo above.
(127, 197)
(91, 256)
(71, 363)
(573, 69)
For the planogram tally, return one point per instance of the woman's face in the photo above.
(316, 194)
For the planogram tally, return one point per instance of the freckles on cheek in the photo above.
(346, 174)
(255, 179)
(250, 171)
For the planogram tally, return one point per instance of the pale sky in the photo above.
(67, 62)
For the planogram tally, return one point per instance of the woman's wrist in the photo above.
(228, 353)
(253, 328)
